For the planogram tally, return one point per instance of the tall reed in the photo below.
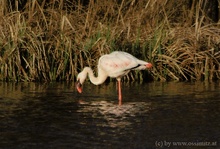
(53, 41)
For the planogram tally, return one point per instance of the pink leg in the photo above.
(119, 90)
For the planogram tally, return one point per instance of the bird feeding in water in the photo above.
(115, 65)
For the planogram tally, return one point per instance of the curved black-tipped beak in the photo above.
(79, 86)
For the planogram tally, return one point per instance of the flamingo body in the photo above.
(115, 65)
(118, 64)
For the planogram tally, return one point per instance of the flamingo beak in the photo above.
(149, 65)
(79, 86)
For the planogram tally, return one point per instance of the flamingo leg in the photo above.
(119, 90)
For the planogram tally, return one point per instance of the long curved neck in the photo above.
(96, 80)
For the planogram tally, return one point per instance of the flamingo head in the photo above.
(79, 86)
(80, 80)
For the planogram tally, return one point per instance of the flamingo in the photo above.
(115, 65)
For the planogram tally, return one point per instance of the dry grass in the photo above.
(54, 41)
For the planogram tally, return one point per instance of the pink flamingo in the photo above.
(115, 65)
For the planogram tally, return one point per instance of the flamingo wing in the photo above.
(117, 63)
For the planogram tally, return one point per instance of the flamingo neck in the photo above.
(96, 80)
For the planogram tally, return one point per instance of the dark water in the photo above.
(152, 115)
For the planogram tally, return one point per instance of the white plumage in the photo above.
(115, 65)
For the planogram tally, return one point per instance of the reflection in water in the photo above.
(54, 115)
(113, 114)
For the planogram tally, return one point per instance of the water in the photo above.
(152, 115)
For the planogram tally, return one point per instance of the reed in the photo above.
(42, 41)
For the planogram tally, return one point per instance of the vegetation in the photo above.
(44, 40)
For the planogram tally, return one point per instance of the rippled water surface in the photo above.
(152, 115)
